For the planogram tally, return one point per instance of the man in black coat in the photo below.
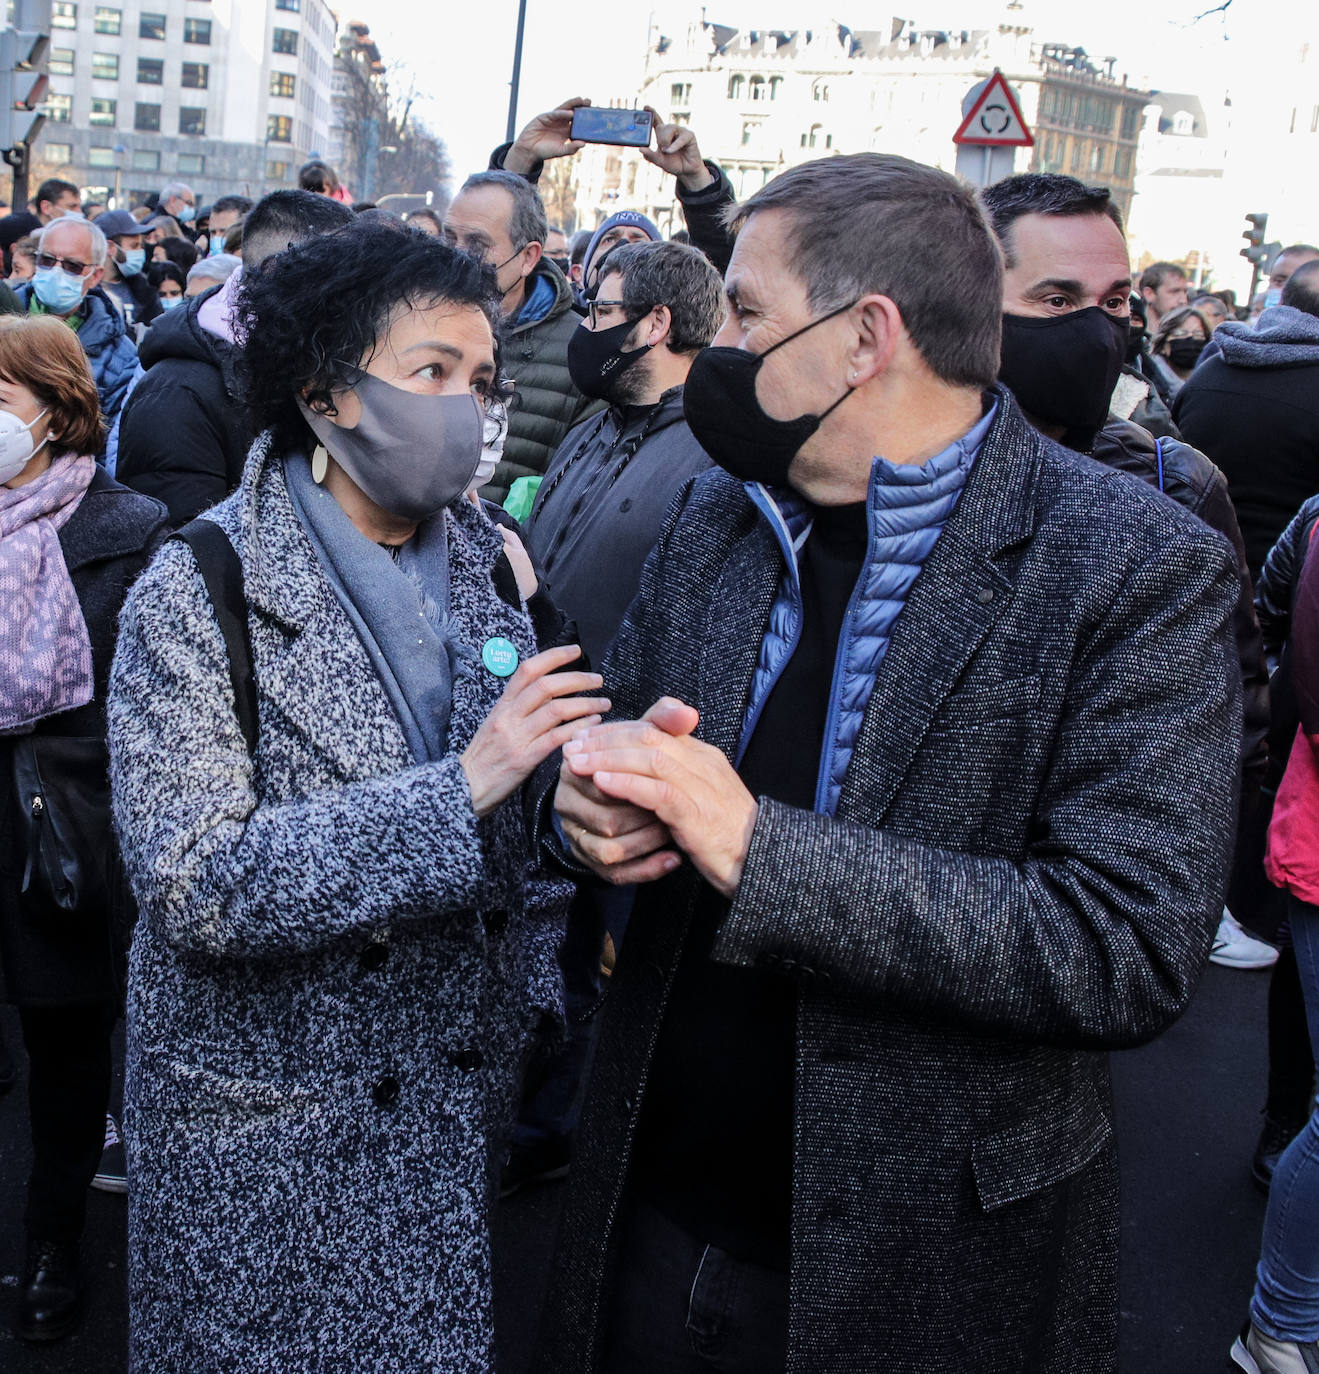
(908, 873)
(183, 436)
(1253, 406)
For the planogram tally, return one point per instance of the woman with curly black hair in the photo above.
(337, 965)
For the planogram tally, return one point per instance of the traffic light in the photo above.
(1254, 236)
(24, 49)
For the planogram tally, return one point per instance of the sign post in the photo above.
(991, 130)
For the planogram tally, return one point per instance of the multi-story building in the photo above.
(765, 99)
(227, 95)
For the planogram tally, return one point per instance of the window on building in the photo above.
(735, 87)
(1097, 158)
(105, 66)
(151, 26)
(1131, 117)
(190, 164)
(756, 88)
(774, 83)
(279, 129)
(197, 31)
(108, 20)
(59, 108)
(63, 15)
(57, 154)
(281, 84)
(103, 114)
(146, 118)
(820, 91)
(61, 62)
(816, 139)
(748, 133)
(285, 40)
(100, 157)
(1314, 121)
(146, 160)
(680, 93)
(1122, 164)
(196, 76)
(293, 5)
(1078, 156)
(278, 171)
(192, 119)
(150, 71)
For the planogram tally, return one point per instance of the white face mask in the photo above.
(16, 446)
(494, 433)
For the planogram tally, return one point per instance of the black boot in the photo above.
(51, 1301)
(1278, 1133)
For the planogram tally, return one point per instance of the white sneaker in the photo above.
(111, 1176)
(1233, 948)
(1257, 1353)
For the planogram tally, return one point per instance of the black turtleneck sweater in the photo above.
(714, 1145)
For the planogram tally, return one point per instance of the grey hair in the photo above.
(674, 275)
(527, 224)
(217, 268)
(99, 249)
(877, 223)
(170, 190)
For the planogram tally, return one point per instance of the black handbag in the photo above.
(63, 793)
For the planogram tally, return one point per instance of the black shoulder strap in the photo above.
(223, 575)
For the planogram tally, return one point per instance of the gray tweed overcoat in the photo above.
(331, 982)
(1025, 871)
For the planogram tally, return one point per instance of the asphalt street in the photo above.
(1188, 1117)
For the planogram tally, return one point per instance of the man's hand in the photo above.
(619, 842)
(545, 137)
(675, 152)
(689, 787)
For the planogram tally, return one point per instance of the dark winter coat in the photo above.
(146, 303)
(335, 972)
(49, 958)
(1253, 407)
(1190, 479)
(184, 435)
(545, 403)
(593, 525)
(111, 354)
(1025, 871)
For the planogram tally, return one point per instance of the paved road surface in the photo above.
(1187, 1122)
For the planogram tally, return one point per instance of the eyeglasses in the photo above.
(71, 265)
(594, 307)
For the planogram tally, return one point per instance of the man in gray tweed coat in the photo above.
(924, 751)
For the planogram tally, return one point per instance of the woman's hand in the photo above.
(537, 714)
(520, 560)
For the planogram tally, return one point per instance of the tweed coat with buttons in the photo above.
(332, 980)
(1025, 871)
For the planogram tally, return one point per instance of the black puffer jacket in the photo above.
(184, 436)
(53, 958)
(1191, 480)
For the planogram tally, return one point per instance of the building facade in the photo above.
(762, 100)
(227, 95)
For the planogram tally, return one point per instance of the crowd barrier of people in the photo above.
(745, 722)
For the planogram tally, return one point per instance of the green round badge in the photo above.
(500, 655)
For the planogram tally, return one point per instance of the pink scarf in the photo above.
(45, 651)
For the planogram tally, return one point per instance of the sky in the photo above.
(460, 56)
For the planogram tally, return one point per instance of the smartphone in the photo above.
(630, 128)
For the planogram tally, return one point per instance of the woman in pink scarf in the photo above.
(72, 541)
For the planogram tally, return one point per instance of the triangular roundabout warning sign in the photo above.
(995, 121)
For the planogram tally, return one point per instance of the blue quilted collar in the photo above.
(789, 515)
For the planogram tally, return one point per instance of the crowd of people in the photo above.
(745, 722)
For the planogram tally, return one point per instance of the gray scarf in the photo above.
(399, 610)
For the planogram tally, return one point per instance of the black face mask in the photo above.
(1185, 353)
(597, 358)
(1063, 369)
(562, 264)
(724, 413)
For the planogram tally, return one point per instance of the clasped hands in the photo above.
(632, 793)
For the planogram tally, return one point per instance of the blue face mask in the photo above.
(56, 290)
(216, 247)
(187, 214)
(135, 259)
(170, 302)
(1272, 297)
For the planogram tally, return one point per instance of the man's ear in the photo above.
(531, 255)
(879, 330)
(660, 326)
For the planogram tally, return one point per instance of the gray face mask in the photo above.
(410, 454)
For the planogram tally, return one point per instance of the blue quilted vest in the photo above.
(906, 510)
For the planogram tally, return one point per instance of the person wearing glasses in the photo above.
(598, 513)
(338, 957)
(70, 266)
